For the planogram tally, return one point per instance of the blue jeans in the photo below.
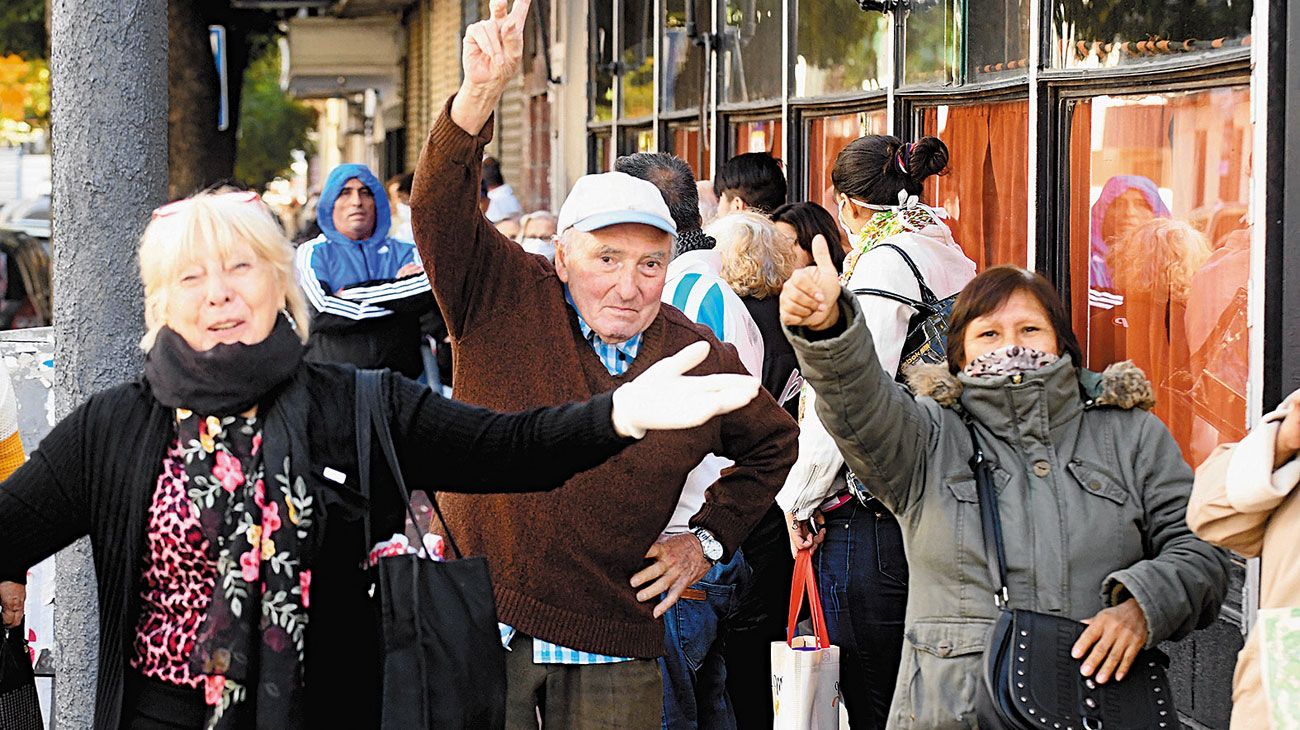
(693, 667)
(862, 578)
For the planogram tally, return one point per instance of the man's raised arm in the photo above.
(465, 256)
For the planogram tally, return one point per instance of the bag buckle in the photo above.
(1088, 724)
(1000, 599)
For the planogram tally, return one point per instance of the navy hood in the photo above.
(330, 195)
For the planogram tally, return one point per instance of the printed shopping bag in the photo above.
(1279, 654)
(805, 669)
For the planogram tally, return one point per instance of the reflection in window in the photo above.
(602, 56)
(1091, 33)
(751, 49)
(602, 152)
(636, 139)
(757, 136)
(688, 144)
(683, 62)
(637, 26)
(1160, 251)
(826, 137)
(839, 50)
(997, 38)
(931, 33)
(986, 188)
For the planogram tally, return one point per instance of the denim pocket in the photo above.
(890, 557)
(697, 621)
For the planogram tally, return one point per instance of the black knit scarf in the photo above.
(695, 240)
(226, 380)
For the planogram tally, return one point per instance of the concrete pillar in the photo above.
(108, 66)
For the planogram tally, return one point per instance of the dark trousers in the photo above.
(758, 621)
(862, 578)
(148, 704)
(625, 695)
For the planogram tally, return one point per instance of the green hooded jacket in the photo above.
(1092, 490)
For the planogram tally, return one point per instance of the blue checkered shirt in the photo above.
(616, 359)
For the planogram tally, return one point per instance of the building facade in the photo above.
(1131, 150)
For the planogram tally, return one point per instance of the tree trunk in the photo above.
(109, 121)
(194, 90)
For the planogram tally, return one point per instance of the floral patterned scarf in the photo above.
(1009, 360)
(257, 528)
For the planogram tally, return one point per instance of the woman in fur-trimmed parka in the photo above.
(1091, 487)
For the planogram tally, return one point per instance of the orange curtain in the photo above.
(1080, 164)
(985, 190)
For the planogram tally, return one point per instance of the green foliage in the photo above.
(271, 124)
(22, 28)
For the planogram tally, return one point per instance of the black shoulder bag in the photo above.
(20, 708)
(1030, 679)
(444, 666)
(927, 331)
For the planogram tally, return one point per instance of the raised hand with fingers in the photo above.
(665, 398)
(808, 298)
(490, 56)
(493, 48)
(1288, 434)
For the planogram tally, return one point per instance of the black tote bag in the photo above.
(20, 708)
(444, 665)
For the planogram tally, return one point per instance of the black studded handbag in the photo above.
(1030, 678)
(19, 706)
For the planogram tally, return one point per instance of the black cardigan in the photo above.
(96, 472)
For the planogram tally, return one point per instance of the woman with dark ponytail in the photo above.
(861, 568)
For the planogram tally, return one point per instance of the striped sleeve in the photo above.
(11, 444)
(324, 302)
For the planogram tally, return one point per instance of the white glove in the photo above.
(663, 398)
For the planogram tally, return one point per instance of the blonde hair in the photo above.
(1158, 258)
(211, 224)
(756, 258)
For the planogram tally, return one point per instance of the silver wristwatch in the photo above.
(712, 548)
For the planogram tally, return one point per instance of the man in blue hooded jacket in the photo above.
(367, 291)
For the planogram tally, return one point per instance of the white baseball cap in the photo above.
(610, 198)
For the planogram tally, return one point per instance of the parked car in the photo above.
(25, 291)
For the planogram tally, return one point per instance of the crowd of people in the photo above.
(641, 524)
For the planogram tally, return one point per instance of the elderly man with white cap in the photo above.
(582, 574)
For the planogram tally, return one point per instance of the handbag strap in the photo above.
(805, 584)
(374, 417)
(990, 517)
(927, 294)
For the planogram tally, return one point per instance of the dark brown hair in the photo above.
(808, 220)
(874, 168)
(989, 291)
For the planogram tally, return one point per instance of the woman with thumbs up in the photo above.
(899, 246)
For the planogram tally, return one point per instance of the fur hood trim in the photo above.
(1121, 385)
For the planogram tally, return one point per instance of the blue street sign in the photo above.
(217, 36)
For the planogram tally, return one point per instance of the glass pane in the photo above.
(997, 38)
(826, 137)
(759, 136)
(636, 139)
(688, 143)
(683, 62)
(1098, 33)
(602, 50)
(839, 51)
(1160, 251)
(931, 32)
(751, 50)
(986, 188)
(602, 152)
(636, 25)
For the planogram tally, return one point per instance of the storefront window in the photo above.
(826, 137)
(602, 55)
(931, 37)
(602, 151)
(1093, 33)
(688, 143)
(636, 139)
(997, 38)
(751, 49)
(757, 136)
(683, 62)
(637, 26)
(839, 50)
(986, 188)
(1160, 251)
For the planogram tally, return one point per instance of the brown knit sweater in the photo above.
(562, 561)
